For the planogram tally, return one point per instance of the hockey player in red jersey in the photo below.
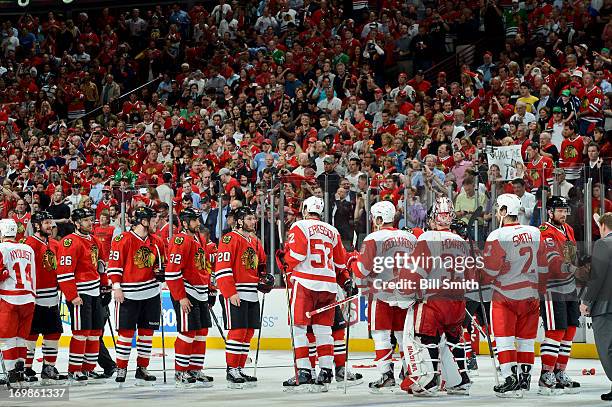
(513, 256)
(386, 312)
(559, 310)
(133, 268)
(81, 275)
(439, 259)
(240, 272)
(188, 281)
(316, 260)
(17, 293)
(47, 321)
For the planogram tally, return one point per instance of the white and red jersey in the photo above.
(132, 264)
(591, 103)
(439, 257)
(45, 257)
(514, 256)
(315, 256)
(20, 286)
(78, 270)
(186, 272)
(22, 224)
(570, 157)
(239, 257)
(386, 243)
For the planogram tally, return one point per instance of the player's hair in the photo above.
(606, 220)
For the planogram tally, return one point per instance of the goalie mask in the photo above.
(442, 212)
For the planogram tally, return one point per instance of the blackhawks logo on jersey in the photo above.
(570, 152)
(249, 259)
(67, 242)
(49, 261)
(200, 259)
(226, 239)
(94, 255)
(179, 240)
(144, 258)
(535, 175)
(118, 238)
(20, 228)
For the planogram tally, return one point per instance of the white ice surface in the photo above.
(276, 366)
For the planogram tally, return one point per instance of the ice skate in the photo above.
(565, 384)
(430, 390)
(302, 384)
(352, 379)
(15, 377)
(511, 388)
(251, 381)
(77, 379)
(50, 376)
(144, 378)
(29, 376)
(462, 388)
(472, 366)
(95, 378)
(547, 383)
(383, 385)
(323, 380)
(525, 377)
(201, 379)
(183, 380)
(235, 379)
(121, 375)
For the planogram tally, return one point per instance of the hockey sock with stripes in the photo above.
(144, 343)
(198, 350)
(77, 350)
(182, 350)
(92, 348)
(549, 349)
(565, 348)
(50, 345)
(339, 347)
(31, 345)
(124, 347)
(234, 347)
(325, 345)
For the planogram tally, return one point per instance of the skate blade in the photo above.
(426, 394)
(458, 392)
(302, 388)
(349, 383)
(386, 390)
(203, 385)
(518, 394)
(184, 385)
(237, 386)
(51, 382)
(545, 391)
(95, 382)
(568, 390)
(319, 388)
(473, 373)
(75, 383)
(144, 383)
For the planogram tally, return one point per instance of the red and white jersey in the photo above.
(514, 255)
(22, 224)
(540, 173)
(439, 257)
(591, 102)
(570, 157)
(239, 257)
(386, 243)
(561, 245)
(20, 286)
(315, 255)
(132, 264)
(45, 257)
(186, 271)
(80, 259)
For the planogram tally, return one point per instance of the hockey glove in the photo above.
(350, 288)
(212, 298)
(266, 283)
(351, 258)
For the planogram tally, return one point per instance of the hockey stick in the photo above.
(6, 376)
(348, 335)
(289, 314)
(472, 222)
(330, 306)
(161, 318)
(263, 303)
(216, 321)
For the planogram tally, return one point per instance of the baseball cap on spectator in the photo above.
(378, 90)
(348, 142)
(224, 171)
(328, 159)
(557, 109)
(195, 142)
(267, 141)
(244, 143)
(142, 191)
(577, 72)
(291, 144)
(564, 92)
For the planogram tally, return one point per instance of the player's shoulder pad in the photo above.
(179, 240)
(227, 238)
(23, 240)
(67, 242)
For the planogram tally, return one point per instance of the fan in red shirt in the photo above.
(539, 168)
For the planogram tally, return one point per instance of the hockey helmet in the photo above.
(443, 211)
(384, 210)
(242, 212)
(511, 202)
(188, 214)
(314, 205)
(459, 227)
(8, 228)
(143, 212)
(557, 202)
(40, 216)
(81, 213)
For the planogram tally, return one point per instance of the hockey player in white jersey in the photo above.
(438, 269)
(386, 310)
(316, 260)
(514, 256)
(17, 296)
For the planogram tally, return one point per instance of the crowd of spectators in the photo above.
(232, 100)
